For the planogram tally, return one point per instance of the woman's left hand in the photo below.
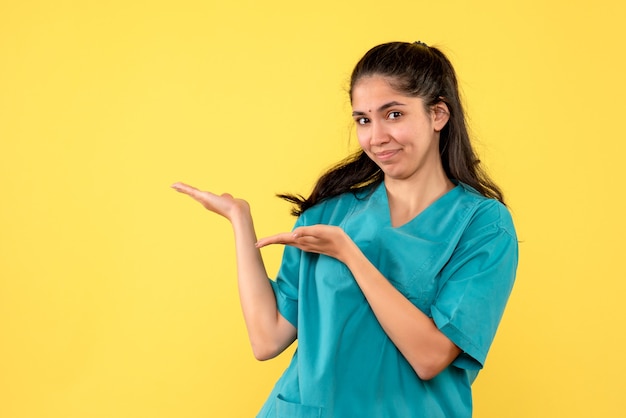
(322, 239)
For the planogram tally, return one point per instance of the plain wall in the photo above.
(118, 296)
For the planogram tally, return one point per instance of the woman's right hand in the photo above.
(270, 333)
(224, 204)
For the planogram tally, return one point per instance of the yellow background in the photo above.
(118, 296)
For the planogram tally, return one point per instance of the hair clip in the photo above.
(420, 43)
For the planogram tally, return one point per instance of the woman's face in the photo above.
(395, 130)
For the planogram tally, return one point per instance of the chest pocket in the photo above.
(410, 263)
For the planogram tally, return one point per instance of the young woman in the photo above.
(398, 270)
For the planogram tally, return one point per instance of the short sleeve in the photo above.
(287, 282)
(476, 283)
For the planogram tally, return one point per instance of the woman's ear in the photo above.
(441, 115)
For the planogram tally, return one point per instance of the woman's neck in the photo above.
(408, 198)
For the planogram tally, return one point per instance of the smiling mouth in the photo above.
(385, 155)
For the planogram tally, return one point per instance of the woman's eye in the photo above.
(394, 115)
(361, 121)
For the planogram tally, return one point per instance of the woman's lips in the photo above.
(385, 155)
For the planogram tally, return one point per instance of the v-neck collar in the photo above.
(379, 196)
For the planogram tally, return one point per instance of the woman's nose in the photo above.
(379, 134)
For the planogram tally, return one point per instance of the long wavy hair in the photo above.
(416, 70)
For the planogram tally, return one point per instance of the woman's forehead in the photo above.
(374, 91)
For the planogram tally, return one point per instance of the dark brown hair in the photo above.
(415, 70)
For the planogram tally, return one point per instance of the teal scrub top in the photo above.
(455, 261)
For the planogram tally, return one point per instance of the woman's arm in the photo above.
(269, 332)
(417, 337)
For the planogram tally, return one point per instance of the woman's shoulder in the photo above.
(484, 211)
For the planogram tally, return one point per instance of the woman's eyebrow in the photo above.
(380, 109)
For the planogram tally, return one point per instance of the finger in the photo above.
(303, 231)
(285, 238)
(308, 243)
(184, 188)
(199, 195)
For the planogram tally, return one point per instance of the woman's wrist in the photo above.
(239, 212)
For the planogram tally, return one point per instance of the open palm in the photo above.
(224, 204)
